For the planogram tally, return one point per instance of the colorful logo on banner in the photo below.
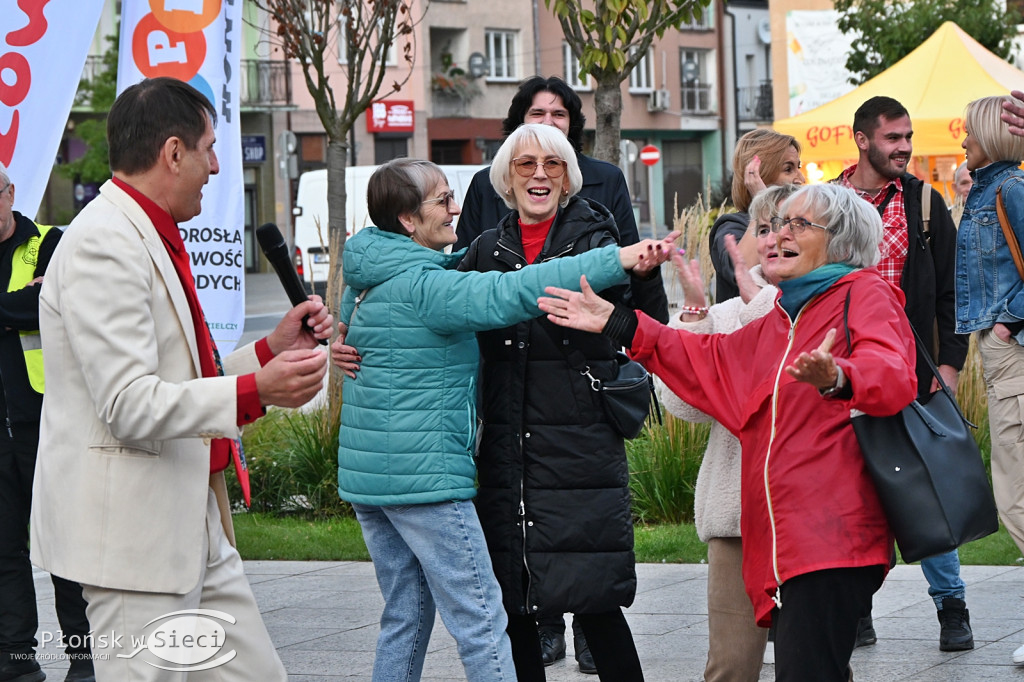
(170, 41)
(199, 41)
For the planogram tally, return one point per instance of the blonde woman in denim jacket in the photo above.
(990, 296)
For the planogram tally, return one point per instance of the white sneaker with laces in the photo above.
(1018, 655)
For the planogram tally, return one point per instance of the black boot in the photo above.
(20, 668)
(955, 623)
(865, 632)
(583, 656)
(552, 645)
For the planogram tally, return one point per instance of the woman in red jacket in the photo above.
(816, 544)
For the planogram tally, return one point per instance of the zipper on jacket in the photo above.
(526, 565)
(568, 248)
(768, 455)
(515, 254)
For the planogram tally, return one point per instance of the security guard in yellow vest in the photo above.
(25, 250)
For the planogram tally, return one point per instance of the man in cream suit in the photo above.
(129, 496)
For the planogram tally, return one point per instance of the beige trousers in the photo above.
(1003, 365)
(735, 643)
(181, 642)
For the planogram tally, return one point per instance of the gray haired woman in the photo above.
(816, 544)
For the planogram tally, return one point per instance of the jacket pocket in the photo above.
(1006, 412)
(146, 449)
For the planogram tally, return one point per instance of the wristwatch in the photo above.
(839, 385)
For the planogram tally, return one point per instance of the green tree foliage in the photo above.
(887, 30)
(98, 94)
(609, 38)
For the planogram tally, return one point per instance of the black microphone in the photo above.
(273, 247)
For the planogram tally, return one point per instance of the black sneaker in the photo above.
(22, 668)
(584, 658)
(552, 646)
(865, 632)
(955, 623)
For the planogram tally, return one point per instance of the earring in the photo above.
(565, 192)
(508, 191)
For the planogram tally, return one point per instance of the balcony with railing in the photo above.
(265, 84)
(754, 103)
(696, 98)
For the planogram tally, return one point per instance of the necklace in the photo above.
(870, 192)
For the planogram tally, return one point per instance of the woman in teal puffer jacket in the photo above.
(405, 456)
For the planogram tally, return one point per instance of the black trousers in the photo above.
(18, 618)
(609, 637)
(555, 623)
(816, 627)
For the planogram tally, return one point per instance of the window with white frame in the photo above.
(501, 55)
(697, 91)
(343, 58)
(572, 69)
(641, 78)
(701, 23)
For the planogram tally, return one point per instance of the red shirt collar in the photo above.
(161, 219)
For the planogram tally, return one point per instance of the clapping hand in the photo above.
(690, 279)
(748, 288)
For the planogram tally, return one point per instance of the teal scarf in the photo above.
(797, 292)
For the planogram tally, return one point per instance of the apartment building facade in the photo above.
(469, 57)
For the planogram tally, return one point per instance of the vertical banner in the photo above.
(199, 42)
(45, 43)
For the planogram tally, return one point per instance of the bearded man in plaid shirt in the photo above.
(918, 254)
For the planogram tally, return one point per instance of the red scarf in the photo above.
(222, 450)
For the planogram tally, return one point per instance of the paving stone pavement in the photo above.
(323, 618)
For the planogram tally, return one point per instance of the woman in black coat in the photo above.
(554, 496)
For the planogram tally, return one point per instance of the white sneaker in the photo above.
(1018, 655)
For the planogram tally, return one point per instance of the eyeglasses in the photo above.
(796, 225)
(526, 167)
(447, 199)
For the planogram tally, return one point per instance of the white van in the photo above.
(312, 258)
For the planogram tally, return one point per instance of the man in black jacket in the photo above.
(918, 255)
(25, 250)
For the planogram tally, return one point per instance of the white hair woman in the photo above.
(554, 496)
(816, 544)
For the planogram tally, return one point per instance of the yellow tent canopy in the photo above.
(934, 82)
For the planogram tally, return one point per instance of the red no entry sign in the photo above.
(650, 155)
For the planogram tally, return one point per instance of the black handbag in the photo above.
(627, 398)
(928, 471)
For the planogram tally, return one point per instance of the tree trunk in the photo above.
(608, 104)
(337, 152)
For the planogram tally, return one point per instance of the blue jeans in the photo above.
(943, 575)
(429, 555)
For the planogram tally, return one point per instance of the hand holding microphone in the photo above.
(274, 248)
